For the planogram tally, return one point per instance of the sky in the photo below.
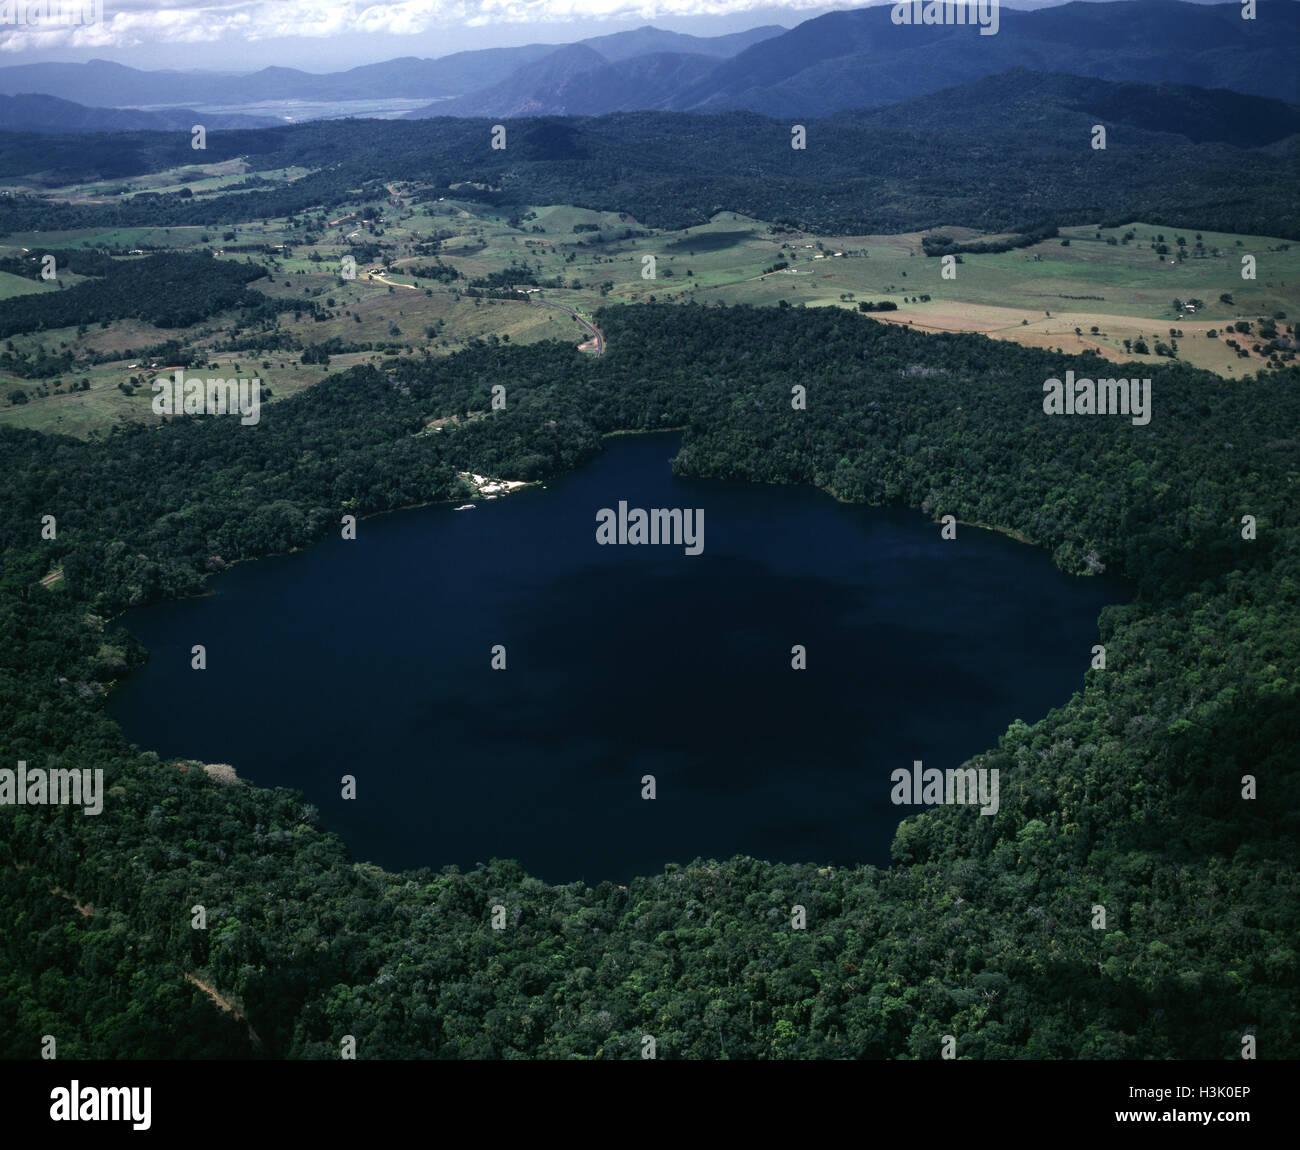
(328, 35)
(324, 35)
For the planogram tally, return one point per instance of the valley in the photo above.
(435, 274)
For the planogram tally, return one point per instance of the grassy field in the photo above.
(1110, 293)
(1105, 289)
(12, 285)
(203, 179)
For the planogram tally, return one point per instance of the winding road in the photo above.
(596, 333)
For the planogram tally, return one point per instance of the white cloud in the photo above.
(134, 22)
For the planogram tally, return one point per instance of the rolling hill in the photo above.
(30, 113)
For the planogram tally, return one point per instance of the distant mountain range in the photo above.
(860, 59)
(102, 83)
(843, 60)
(578, 81)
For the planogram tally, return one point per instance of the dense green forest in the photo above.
(76, 260)
(1128, 795)
(945, 245)
(937, 160)
(170, 290)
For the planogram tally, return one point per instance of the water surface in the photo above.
(372, 658)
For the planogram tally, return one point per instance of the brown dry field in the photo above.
(1057, 331)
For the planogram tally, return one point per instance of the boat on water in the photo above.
(465, 507)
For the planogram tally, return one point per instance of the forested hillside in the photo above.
(164, 290)
(1129, 795)
(910, 166)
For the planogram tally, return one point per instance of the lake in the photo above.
(373, 658)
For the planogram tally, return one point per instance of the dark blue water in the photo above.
(372, 658)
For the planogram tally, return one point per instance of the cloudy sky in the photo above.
(326, 35)
(321, 35)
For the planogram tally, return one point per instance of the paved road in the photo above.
(595, 332)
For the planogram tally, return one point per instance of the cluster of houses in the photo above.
(491, 488)
(822, 255)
